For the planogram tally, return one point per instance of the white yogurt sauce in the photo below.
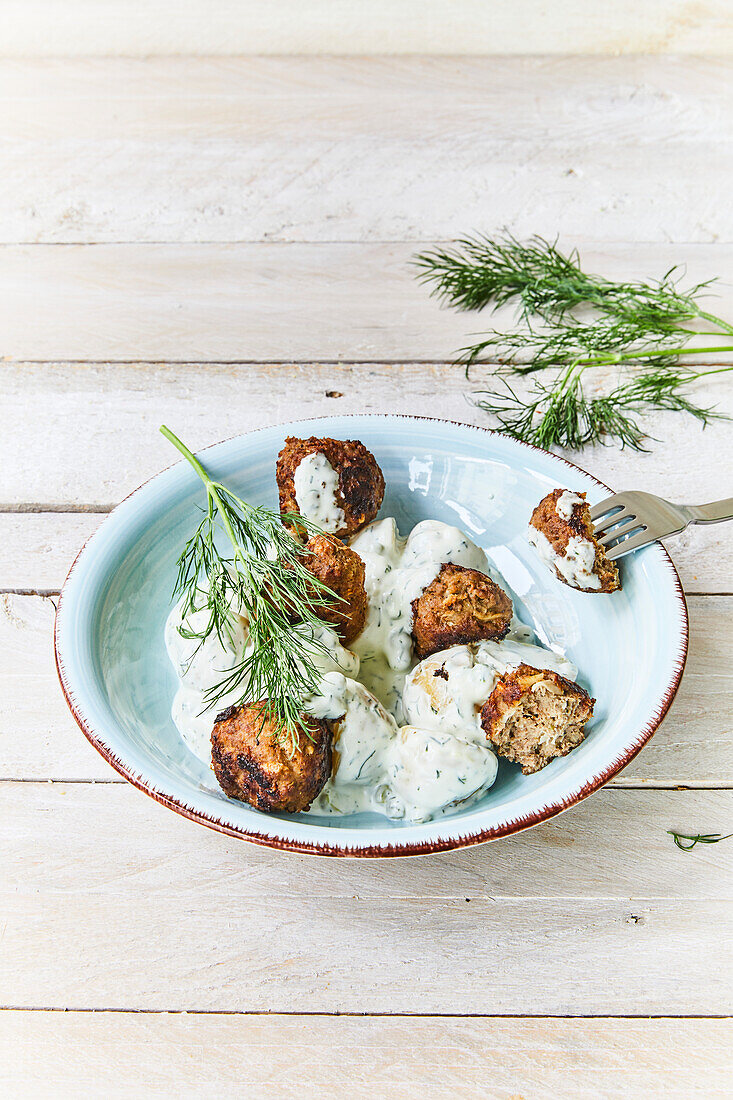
(431, 770)
(200, 666)
(439, 758)
(448, 690)
(315, 483)
(575, 565)
(565, 502)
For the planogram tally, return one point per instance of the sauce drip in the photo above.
(315, 482)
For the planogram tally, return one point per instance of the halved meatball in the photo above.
(340, 488)
(534, 715)
(342, 570)
(252, 760)
(561, 531)
(460, 606)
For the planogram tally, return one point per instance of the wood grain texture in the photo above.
(356, 302)
(554, 861)
(478, 1059)
(101, 424)
(131, 27)
(40, 740)
(351, 149)
(167, 916)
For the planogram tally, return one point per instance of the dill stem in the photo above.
(211, 489)
(609, 360)
(718, 321)
(188, 455)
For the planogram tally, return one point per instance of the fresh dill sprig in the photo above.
(480, 271)
(571, 321)
(264, 580)
(560, 413)
(698, 838)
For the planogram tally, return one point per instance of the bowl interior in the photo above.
(629, 647)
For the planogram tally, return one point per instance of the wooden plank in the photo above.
(36, 550)
(41, 741)
(121, 1055)
(92, 413)
(344, 149)
(267, 302)
(345, 955)
(48, 836)
(166, 916)
(130, 28)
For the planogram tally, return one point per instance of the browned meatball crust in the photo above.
(361, 484)
(254, 765)
(460, 606)
(343, 571)
(534, 715)
(558, 532)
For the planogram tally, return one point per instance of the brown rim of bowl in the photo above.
(382, 851)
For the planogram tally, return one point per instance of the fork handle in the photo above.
(711, 513)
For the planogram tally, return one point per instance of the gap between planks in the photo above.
(370, 1015)
(52, 593)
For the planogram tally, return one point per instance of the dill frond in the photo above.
(560, 414)
(264, 580)
(480, 271)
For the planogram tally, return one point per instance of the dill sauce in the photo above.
(315, 483)
(418, 769)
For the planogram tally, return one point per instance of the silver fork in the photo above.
(628, 521)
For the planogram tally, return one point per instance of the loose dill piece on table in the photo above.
(696, 838)
(570, 321)
(264, 580)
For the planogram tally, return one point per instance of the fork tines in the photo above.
(617, 527)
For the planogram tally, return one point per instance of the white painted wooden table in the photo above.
(221, 244)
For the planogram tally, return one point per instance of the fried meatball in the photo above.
(561, 531)
(461, 605)
(534, 715)
(343, 571)
(253, 763)
(339, 505)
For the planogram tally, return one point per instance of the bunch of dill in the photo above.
(568, 323)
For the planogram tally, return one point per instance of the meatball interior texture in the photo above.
(461, 605)
(253, 765)
(559, 531)
(342, 570)
(534, 715)
(360, 480)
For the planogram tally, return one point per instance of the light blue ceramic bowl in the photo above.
(630, 647)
